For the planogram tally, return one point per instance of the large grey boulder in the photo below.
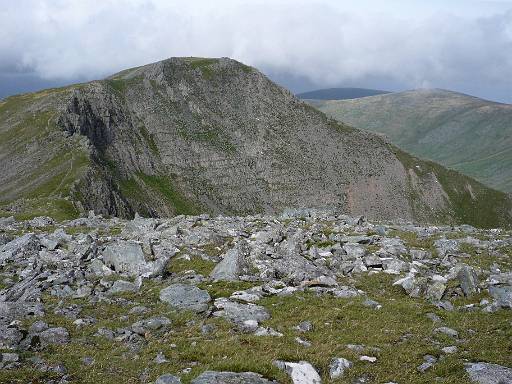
(468, 280)
(238, 312)
(128, 257)
(10, 310)
(9, 337)
(301, 372)
(502, 295)
(51, 336)
(185, 297)
(232, 265)
(485, 373)
(212, 377)
(23, 246)
(168, 379)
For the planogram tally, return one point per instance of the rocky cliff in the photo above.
(190, 135)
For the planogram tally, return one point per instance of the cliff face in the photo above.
(213, 135)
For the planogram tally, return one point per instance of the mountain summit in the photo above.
(191, 135)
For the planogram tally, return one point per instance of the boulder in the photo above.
(51, 336)
(168, 379)
(468, 280)
(211, 377)
(185, 297)
(338, 366)
(486, 373)
(301, 372)
(232, 265)
(238, 312)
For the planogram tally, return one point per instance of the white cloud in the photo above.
(328, 42)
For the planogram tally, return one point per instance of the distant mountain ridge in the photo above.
(202, 135)
(463, 132)
(339, 93)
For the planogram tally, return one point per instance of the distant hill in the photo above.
(339, 94)
(194, 135)
(468, 134)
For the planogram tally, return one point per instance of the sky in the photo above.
(462, 45)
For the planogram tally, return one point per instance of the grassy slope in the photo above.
(470, 202)
(465, 133)
(28, 128)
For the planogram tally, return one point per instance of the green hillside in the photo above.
(465, 133)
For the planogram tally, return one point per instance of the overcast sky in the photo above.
(464, 45)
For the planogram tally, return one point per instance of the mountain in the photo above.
(193, 135)
(339, 93)
(468, 134)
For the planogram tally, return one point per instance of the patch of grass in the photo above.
(204, 65)
(150, 140)
(179, 264)
(59, 209)
(164, 186)
(208, 135)
(225, 288)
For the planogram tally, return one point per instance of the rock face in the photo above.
(189, 135)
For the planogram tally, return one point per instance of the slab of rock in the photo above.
(232, 265)
(168, 379)
(212, 377)
(468, 280)
(502, 295)
(447, 331)
(185, 297)
(57, 335)
(238, 312)
(10, 310)
(301, 372)
(128, 257)
(122, 286)
(485, 373)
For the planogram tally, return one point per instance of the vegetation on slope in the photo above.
(465, 133)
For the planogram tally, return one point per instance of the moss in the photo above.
(150, 140)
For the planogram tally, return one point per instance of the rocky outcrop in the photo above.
(223, 282)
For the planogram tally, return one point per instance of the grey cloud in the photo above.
(324, 43)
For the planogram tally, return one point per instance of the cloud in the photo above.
(403, 43)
